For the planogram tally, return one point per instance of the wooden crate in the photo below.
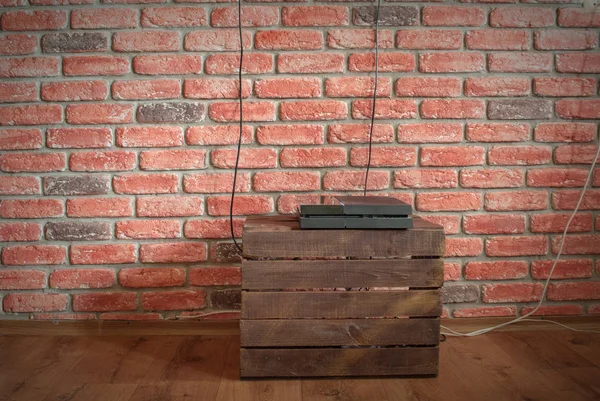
(293, 324)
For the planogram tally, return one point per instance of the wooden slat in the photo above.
(338, 362)
(307, 274)
(330, 333)
(340, 304)
(281, 237)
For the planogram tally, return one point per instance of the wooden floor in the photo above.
(516, 365)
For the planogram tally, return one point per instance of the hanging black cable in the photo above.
(239, 144)
(374, 95)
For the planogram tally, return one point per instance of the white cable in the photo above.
(451, 333)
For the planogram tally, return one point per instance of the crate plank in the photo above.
(339, 332)
(281, 237)
(307, 274)
(339, 362)
(340, 304)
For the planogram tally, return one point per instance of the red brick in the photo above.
(39, 20)
(490, 311)
(34, 255)
(575, 154)
(20, 139)
(138, 184)
(516, 200)
(388, 62)
(216, 315)
(227, 17)
(556, 177)
(359, 39)
(173, 17)
(169, 206)
(451, 225)
(172, 64)
(504, 270)
(95, 65)
(254, 63)
(313, 110)
(425, 178)
(313, 157)
(210, 276)
(174, 300)
(447, 156)
(74, 91)
(522, 17)
(34, 114)
(148, 229)
(32, 162)
(16, 92)
(290, 204)
(517, 292)
(451, 62)
(29, 67)
(355, 180)
(557, 222)
(99, 207)
(22, 279)
(82, 278)
(99, 113)
(181, 159)
(146, 41)
(448, 201)
(315, 16)
(105, 301)
(103, 254)
(494, 224)
(298, 134)
(307, 63)
(384, 109)
(129, 316)
(578, 109)
(104, 18)
(215, 228)
(19, 185)
(215, 183)
(565, 132)
(428, 87)
(288, 88)
(65, 138)
(287, 181)
(242, 205)
(498, 39)
(560, 39)
(519, 155)
(31, 208)
(102, 161)
(392, 156)
(566, 200)
(453, 16)
(593, 310)
(554, 310)
(152, 277)
(429, 39)
(288, 40)
(492, 178)
(230, 111)
(146, 89)
(216, 88)
(173, 252)
(574, 291)
(35, 302)
(217, 135)
(249, 158)
(519, 62)
(564, 86)
(577, 244)
(216, 40)
(516, 246)
(578, 17)
(359, 133)
(497, 86)
(430, 133)
(452, 108)
(13, 232)
(148, 136)
(565, 269)
(14, 44)
(497, 132)
(461, 247)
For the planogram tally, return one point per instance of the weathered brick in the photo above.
(359, 39)
(448, 201)
(565, 269)
(346, 180)
(216, 40)
(425, 178)
(35, 302)
(565, 132)
(64, 138)
(556, 177)
(22, 279)
(447, 156)
(173, 252)
(38, 20)
(29, 67)
(253, 63)
(522, 17)
(16, 92)
(242, 205)
(19, 231)
(503, 270)
(152, 277)
(95, 65)
(216, 88)
(359, 133)
(20, 139)
(248, 158)
(497, 132)
(313, 110)
(173, 17)
(289, 204)
(559, 39)
(146, 89)
(215, 183)
(578, 109)
(388, 62)
(217, 135)
(288, 40)
(573, 291)
(519, 109)
(554, 310)
(452, 108)
(567, 199)
(556, 222)
(148, 229)
(102, 161)
(384, 109)
(75, 42)
(216, 276)
(519, 62)
(463, 247)
(24, 255)
(492, 178)
(82, 278)
(99, 207)
(494, 224)
(517, 292)
(256, 16)
(77, 185)
(78, 231)
(31, 115)
(582, 244)
(139, 184)
(313, 157)
(226, 299)
(458, 293)
(388, 16)
(453, 16)
(429, 39)
(498, 39)
(451, 62)
(148, 136)
(103, 254)
(315, 16)
(173, 64)
(146, 41)
(74, 91)
(516, 200)
(298, 134)
(516, 246)
(105, 301)
(180, 112)
(174, 300)
(230, 111)
(451, 225)
(214, 228)
(169, 206)
(575, 154)
(489, 311)
(19, 185)
(180, 159)
(32, 162)
(16, 44)
(428, 87)
(307, 63)
(287, 88)
(497, 86)
(578, 17)
(103, 113)
(286, 181)
(393, 156)
(564, 86)
(31, 208)
(104, 18)
(519, 155)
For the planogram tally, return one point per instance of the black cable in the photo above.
(374, 94)
(239, 144)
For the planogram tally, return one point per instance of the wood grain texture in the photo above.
(340, 304)
(281, 237)
(342, 332)
(320, 362)
(288, 274)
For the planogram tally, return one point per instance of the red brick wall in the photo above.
(118, 126)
